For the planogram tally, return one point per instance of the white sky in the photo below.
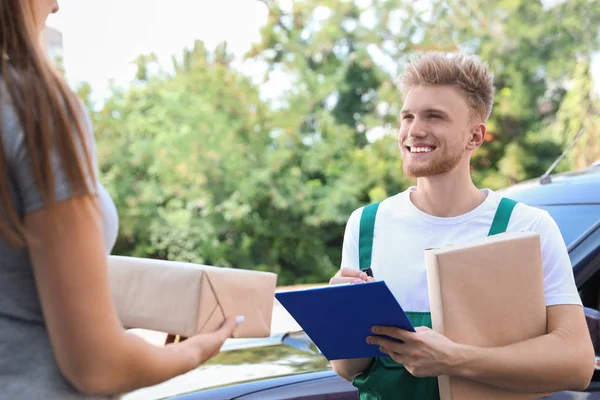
(101, 38)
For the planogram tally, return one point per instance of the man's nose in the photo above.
(416, 129)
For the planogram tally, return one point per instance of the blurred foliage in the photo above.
(203, 169)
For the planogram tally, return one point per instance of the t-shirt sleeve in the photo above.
(21, 170)
(350, 245)
(559, 282)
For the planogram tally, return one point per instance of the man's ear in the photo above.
(477, 137)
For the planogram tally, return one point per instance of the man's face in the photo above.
(434, 130)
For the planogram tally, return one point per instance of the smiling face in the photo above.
(436, 131)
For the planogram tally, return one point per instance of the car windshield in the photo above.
(574, 219)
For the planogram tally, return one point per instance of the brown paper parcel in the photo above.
(185, 299)
(489, 293)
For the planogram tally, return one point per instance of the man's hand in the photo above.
(423, 353)
(349, 275)
(562, 359)
(349, 369)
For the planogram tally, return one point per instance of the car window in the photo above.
(574, 220)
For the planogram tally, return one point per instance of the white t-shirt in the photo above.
(402, 232)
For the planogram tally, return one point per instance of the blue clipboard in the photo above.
(339, 318)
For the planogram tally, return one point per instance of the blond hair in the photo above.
(466, 72)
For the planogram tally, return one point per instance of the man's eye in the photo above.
(407, 116)
(434, 116)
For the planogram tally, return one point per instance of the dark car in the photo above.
(572, 199)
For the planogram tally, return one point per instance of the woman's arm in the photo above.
(91, 348)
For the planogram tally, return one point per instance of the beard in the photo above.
(439, 164)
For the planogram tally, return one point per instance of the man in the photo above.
(447, 102)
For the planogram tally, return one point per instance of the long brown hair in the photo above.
(49, 114)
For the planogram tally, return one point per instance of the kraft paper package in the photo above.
(488, 293)
(186, 299)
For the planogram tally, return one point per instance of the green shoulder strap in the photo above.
(503, 212)
(365, 238)
(367, 225)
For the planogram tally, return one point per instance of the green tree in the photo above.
(172, 151)
(530, 47)
(579, 111)
(532, 50)
(203, 170)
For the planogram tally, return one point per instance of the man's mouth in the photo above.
(420, 149)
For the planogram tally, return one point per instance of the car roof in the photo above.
(574, 187)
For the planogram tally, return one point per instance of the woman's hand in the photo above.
(205, 346)
(92, 350)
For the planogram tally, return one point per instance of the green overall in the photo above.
(386, 379)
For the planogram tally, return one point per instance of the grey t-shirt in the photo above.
(28, 369)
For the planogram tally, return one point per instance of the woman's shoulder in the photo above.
(20, 165)
(11, 133)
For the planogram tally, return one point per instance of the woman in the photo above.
(60, 337)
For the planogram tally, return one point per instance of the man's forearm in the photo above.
(350, 369)
(548, 363)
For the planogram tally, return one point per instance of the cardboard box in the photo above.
(185, 299)
(488, 293)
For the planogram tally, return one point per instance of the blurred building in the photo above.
(53, 42)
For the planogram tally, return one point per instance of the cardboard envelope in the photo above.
(185, 299)
(488, 293)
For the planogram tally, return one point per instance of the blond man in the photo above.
(447, 101)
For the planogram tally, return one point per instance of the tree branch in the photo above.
(273, 9)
